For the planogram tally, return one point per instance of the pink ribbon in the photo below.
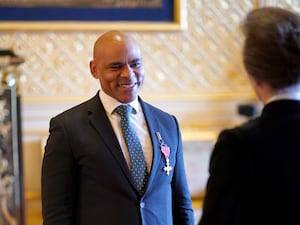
(165, 150)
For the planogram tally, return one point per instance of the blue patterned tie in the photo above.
(138, 163)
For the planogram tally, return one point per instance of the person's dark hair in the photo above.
(271, 49)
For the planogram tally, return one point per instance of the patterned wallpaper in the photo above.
(204, 59)
(191, 73)
(195, 74)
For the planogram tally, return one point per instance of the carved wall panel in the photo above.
(195, 74)
(203, 59)
(198, 66)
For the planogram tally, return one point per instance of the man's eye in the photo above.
(135, 65)
(115, 67)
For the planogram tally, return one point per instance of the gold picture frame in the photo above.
(179, 23)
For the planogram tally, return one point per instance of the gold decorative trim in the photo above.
(179, 23)
(179, 97)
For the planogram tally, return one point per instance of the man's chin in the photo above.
(126, 98)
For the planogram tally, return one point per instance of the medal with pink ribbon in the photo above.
(166, 152)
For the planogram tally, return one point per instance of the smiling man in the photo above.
(103, 167)
(118, 66)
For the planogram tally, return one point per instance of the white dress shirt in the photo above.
(138, 121)
(281, 96)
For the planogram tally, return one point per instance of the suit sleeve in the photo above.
(182, 204)
(58, 177)
(221, 203)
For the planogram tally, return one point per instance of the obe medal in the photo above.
(166, 152)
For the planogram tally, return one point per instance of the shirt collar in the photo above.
(290, 96)
(110, 104)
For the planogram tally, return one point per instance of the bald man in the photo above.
(87, 167)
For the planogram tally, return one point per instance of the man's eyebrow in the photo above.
(121, 63)
(136, 60)
(114, 64)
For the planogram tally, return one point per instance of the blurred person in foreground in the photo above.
(86, 172)
(255, 168)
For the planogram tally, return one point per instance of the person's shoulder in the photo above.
(246, 130)
(155, 109)
(249, 126)
(78, 108)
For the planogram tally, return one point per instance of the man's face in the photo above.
(118, 66)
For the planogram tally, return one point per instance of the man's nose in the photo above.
(127, 71)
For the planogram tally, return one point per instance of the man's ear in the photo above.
(93, 69)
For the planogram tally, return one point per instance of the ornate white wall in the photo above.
(190, 73)
(195, 74)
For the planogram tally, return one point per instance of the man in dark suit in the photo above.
(255, 168)
(86, 172)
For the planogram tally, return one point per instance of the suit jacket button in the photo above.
(142, 204)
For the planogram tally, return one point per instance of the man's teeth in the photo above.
(127, 85)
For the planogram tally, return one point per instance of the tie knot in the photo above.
(124, 110)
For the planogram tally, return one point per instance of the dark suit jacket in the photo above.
(255, 171)
(86, 180)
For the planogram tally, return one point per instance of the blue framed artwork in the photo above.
(92, 15)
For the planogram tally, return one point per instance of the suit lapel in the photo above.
(100, 121)
(153, 127)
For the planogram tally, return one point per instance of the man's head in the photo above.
(117, 63)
